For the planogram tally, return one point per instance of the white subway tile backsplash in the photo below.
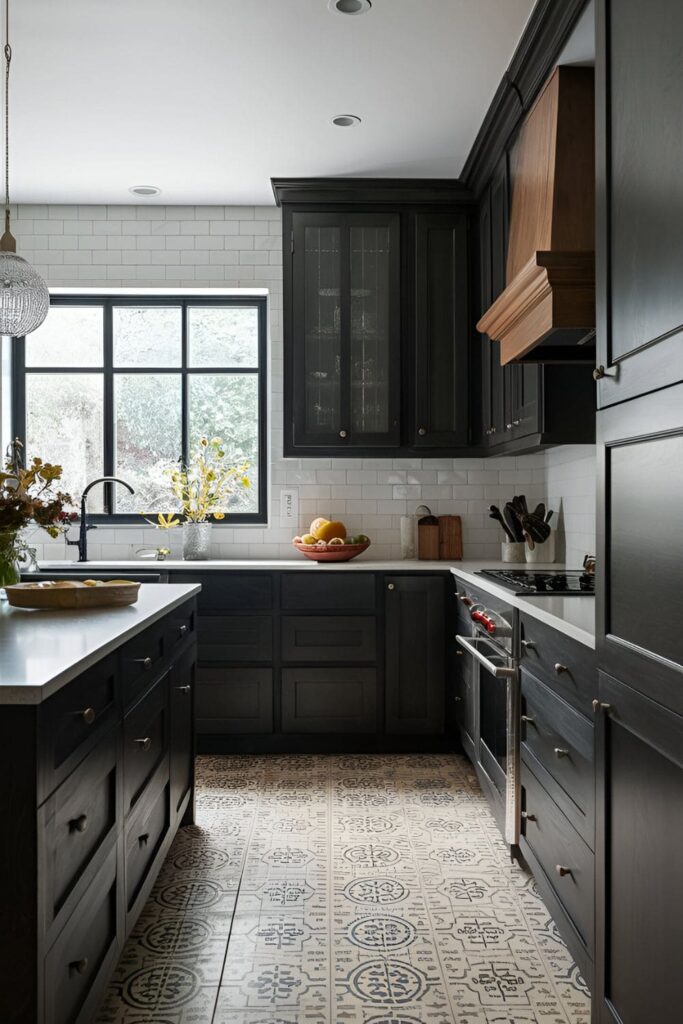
(151, 245)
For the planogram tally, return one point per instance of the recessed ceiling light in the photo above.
(345, 120)
(144, 190)
(349, 6)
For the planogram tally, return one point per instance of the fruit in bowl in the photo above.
(328, 541)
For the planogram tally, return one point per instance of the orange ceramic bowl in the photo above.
(331, 552)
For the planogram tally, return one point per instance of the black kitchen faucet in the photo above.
(82, 541)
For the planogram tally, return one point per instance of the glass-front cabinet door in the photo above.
(346, 333)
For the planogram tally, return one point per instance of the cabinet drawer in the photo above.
(234, 700)
(334, 700)
(84, 953)
(76, 826)
(328, 638)
(230, 591)
(557, 744)
(236, 638)
(145, 741)
(145, 833)
(568, 667)
(73, 720)
(328, 591)
(141, 658)
(556, 844)
(179, 627)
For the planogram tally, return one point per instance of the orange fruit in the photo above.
(317, 523)
(327, 531)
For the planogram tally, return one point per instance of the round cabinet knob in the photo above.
(516, 423)
(508, 426)
(79, 824)
(528, 719)
(561, 752)
(182, 630)
(528, 816)
(88, 716)
(142, 840)
(562, 870)
(145, 743)
(528, 645)
(457, 700)
(184, 689)
(343, 433)
(599, 705)
(421, 431)
(560, 668)
(391, 586)
(598, 373)
(79, 966)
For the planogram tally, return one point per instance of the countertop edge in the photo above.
(33, 694)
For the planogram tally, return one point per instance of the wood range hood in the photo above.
(547, 311)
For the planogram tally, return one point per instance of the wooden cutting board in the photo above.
(72, 594)
(450, 538)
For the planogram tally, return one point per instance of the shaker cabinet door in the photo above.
(441, 331)
(415, 654)
(639, 836)
(639, 77)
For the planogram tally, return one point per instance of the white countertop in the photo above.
(265, 565)
(573, 616)
(42, 650)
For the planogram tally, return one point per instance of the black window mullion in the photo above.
(185, 389)
(18, 370)
(108, 406)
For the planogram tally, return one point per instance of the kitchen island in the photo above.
(97, 762)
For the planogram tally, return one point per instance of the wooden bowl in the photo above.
(60, 594)
(331, 552)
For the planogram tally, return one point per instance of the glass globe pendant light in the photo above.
(24, 298)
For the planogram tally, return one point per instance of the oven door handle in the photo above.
(471, 645)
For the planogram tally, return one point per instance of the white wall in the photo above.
(240, 247)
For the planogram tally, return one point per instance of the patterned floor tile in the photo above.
(359, 889)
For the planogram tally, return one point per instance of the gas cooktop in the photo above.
(550, 582)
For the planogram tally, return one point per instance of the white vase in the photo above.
(196, 541)
(512, 552)
(544, 552)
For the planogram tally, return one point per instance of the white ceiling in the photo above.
(210, 99)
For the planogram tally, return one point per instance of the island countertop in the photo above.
(41, 651)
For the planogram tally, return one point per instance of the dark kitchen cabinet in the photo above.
(639, 884)
(441, 326)
(345, 330)
(415, 655)
(377, 317)
(640, 542)
(639, 77)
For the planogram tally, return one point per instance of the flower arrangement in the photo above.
(203, 486)
(28, 497)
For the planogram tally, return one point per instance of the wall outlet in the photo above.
(289, 508)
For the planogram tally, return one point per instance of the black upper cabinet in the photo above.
(345, 330)
(441, 326)
(639, 77)
(376, 317)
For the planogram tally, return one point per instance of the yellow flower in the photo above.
(219, 515)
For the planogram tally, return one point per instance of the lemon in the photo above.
(308, 538)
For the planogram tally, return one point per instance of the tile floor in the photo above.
(343, 890)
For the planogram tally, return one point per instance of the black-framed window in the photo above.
(125, 385)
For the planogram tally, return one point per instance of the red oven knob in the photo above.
(484, 620)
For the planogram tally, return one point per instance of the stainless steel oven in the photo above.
(492, 649)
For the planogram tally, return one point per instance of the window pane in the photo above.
(69, 336)
(64, 426)
(147, 421)
(147, 335)
(223, 336)
(226, 405)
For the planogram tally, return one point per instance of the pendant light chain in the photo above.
(8, 59)
(24, 297)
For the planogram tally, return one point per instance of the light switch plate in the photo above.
(289, 507)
